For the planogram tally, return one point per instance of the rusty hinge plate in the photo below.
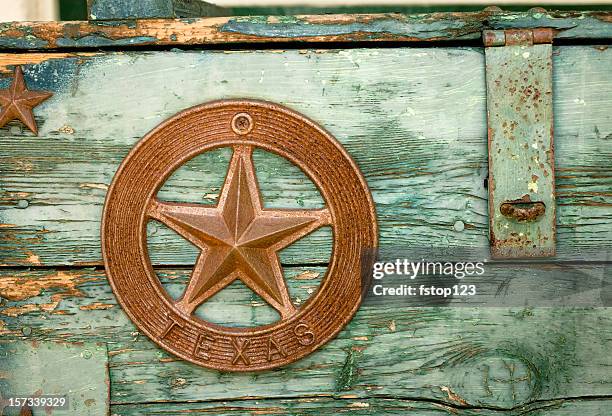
(521, 150)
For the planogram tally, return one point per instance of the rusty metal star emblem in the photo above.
(17, 102)
(238, 238)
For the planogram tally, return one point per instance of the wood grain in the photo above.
(147, 9)
(354, 28)
(415, 127)
(415, 122)
(500, 358)
(356, 406)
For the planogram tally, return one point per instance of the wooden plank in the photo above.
(416, 130)
(382, 27)
(458, 357)
(151, 9)
(77, 372)
(356, 406)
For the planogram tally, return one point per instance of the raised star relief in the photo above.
(17, 102)
(239, 239)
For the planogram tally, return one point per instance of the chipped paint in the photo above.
(33, 259)
(453, 396)
(15, 311)
(307, 275)
(9, 61)
(101, 186)
(66, 129)
(368, 125)
(96, 306)
(359, 26)
(21, 286)
(316, 28)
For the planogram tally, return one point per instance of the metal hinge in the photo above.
(521, 150)
(519, 37)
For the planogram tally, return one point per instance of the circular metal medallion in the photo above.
(238, 238)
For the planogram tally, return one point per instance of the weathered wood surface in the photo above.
(416, 129)
(79, 372)
(386, 27)
(147, 9)
(450, 360)
(355, 406)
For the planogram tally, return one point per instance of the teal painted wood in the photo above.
(107, 9)
(521, 150)
(416, 130)
(354, 406)
(458, 357)
(79, 372)
(148, 9)
(266, 30)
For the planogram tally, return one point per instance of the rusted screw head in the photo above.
(242, 123)
(522, 211)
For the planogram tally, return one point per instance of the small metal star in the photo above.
(17, 102)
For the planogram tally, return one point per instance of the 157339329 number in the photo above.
(46, 401)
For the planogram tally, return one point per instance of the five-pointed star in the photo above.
(17, 102)
(238, 238)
